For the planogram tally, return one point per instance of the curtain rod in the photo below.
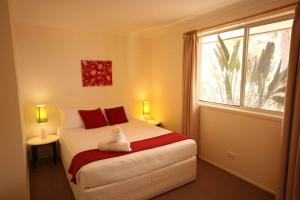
(243, 18)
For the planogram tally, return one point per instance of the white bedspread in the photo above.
(111, 170)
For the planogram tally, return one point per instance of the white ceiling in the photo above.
(112, 16)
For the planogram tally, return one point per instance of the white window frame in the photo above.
(246, 26)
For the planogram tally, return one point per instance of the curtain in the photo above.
(190, 107)
(289, 179)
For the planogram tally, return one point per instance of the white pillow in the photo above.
(71, 119)
(128, 115)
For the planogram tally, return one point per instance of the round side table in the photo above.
(35, 142)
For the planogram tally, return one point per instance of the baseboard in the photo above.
(238, 175)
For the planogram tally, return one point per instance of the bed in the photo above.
(139, 175)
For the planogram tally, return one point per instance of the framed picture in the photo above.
(96, 73)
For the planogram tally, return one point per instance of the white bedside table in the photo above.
(38, 141)
(153, 122)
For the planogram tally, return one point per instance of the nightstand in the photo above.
(38, 141)
(153, 122)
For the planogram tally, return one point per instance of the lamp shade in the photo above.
(146, 108)
(41, 114)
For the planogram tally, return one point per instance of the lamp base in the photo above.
(43, 134)
(147, 117)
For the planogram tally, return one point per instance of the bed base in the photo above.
(141, 187)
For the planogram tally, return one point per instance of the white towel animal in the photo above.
(117, 142)
(117, 135)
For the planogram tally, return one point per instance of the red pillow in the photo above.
(93, 118)
(116, 115)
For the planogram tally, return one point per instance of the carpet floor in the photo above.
(49, 181)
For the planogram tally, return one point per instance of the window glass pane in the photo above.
(220, 67)
(267, 61)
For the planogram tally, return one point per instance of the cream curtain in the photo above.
(289, 180)
(190, 107)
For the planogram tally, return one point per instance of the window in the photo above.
(247, 66)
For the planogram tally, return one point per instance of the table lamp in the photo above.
(146, 109)
(42, 118)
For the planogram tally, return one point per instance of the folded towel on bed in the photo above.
(118, 146)
(117, 142)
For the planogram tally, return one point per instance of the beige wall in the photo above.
(13, 173)
(166, 80)
(139, 73)
(257, 158)
(50, 71)
(253, 139)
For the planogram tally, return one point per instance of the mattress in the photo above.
(107, 171)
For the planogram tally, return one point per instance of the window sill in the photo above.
(242, 111)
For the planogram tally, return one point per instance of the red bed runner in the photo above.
(88, 156)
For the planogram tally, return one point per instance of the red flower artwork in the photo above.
(96, 73)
